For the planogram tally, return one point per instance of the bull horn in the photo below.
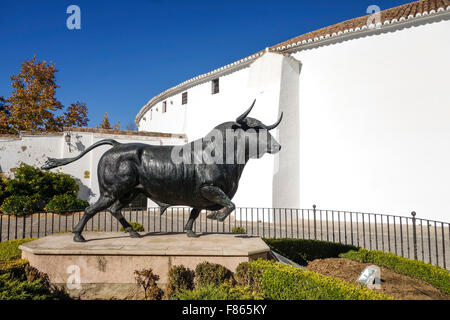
(246, 113)
(276, 124)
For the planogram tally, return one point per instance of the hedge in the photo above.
(282, 282)
(301, 251)
(223, 291)
(212, 274)
(434, 275)
(9, 250)
(64, 203)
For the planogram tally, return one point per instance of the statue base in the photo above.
(107, 260)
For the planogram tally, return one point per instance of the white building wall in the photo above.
(374, 123)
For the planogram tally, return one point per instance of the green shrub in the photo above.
(211, 273)
(9, 250)
(65, 203)
(18, 205)
(434, 275)
(301, 251)
(136, 227)
(180, 278)
(282, 282)
(238, 230)
(3, 192)
(219, 292)
(40, 185)
(20, 281)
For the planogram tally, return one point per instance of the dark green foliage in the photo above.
(180, 278)
(3, 192)
(282, 282)
(210, 273)
(223, 291)
(434, 275)
(147, 280)
(41, 186)
(18, 205)
(20, 281)
(136, 227)
(65, 203)
(238, 230)
(9, 250)
(301, 251)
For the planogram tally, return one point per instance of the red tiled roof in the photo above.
(397, 14)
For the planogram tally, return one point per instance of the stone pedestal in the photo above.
(110, 258)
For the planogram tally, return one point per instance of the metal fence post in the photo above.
(315, 230)
(414, 234)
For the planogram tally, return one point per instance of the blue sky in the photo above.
(128, 51)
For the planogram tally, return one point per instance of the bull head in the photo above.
(258, 134)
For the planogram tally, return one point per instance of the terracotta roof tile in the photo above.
(400, 12)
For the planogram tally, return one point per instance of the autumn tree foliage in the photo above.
(33, 106)
(105, 124)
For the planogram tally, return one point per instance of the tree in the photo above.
(106, 125)
(105, 122)
(5, 116)
(76, 115)
(32, 104)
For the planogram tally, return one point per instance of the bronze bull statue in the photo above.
(203, 174)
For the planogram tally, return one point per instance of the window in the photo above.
(184, 98)
(164, 106)
(151, 114)
(215, 86)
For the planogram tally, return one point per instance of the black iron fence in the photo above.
(411, 237)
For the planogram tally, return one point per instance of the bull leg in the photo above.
(188, 227)
(101, 204)
(115, 210)
(216, 195)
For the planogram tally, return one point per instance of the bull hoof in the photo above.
(134, 234)
(192, 234)
(78, 238)
(212, 216)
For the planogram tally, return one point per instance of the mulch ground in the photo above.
(392, 284)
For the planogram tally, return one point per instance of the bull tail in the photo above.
(53, 163)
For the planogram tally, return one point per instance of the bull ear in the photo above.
(241, 118)
(276, 124)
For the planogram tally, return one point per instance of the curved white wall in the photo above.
(375, 123)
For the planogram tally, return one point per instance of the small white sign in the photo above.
(371, 277)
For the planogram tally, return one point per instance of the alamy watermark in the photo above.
(374, 20)
(73, 22)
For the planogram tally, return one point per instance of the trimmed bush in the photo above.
(211, 273)
(40, 185)
(180, 278)
(136, 227)
(9, 250)
(20, 281)
(239, 230)
(65, 203)
(220, 292)
(434, 275)
(301, 251)
(18, 205)
(282, 282)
